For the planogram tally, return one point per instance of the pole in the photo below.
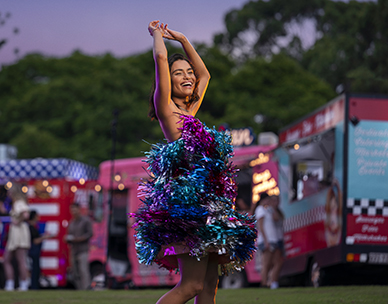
(110, 200)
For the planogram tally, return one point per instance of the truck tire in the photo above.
(234, 280)
(2, 277)
(315, 276)
(97, 275)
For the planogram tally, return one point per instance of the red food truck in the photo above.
(333, 181)
(51, 186)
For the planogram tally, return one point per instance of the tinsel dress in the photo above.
(188, 202)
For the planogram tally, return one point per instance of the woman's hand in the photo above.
(171, 34)
(154, 26)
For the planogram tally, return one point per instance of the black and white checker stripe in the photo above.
(367, 206)
(304, 219)
(46, 168)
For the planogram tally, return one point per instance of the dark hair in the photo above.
(194, 97)
(75, 204)
(33, 214)
(263, 196)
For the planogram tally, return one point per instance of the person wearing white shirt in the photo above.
(270, 239)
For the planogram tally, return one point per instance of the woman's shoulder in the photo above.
(260, 212)
(20, 205)
(20, 202)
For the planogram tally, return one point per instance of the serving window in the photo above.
(312, 163)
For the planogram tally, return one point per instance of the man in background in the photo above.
(79, 232)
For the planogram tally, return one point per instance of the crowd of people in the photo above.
(24, 242)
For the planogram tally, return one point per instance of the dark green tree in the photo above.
(350, 38)
(63, 107)
(4, 39)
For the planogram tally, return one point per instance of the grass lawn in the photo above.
(343, 295)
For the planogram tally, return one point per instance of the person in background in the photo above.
(18, 241)
(79, 232)
(5, 201)
(278, 255)
(270, 240)
(36, 245)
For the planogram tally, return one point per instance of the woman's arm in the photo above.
(201, 71)
(260, 223)
(162, 73)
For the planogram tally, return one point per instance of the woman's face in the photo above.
(275, 201)
(182, 79)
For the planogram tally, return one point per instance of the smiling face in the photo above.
(182, 79)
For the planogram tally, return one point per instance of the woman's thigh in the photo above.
(192, 270)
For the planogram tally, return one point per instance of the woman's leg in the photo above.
(21, 257)
(266, 261)
(277, 266)
(208, 294)
(8, 269)
(193, 274)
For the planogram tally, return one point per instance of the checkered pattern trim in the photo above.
(366, 206)
(46, 168)
(305, 219)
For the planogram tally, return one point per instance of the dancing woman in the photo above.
(187, 220)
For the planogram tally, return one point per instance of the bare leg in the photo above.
(266, 261)
(21, 257)
(208, 294)
(277, 265)
(193, 274)
(9, 274)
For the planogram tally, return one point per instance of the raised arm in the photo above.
(162, 74)
(200, 68)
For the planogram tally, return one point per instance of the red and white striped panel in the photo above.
(305, 219)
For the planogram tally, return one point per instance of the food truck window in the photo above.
(312, 161)
(97, 206)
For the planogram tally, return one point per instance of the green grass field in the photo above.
(343, 295)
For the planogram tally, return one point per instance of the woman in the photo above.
(187, 221)
(18, 241)
(270, 238)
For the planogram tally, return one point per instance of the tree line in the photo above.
(62, 107)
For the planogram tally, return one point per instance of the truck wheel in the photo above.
(2, 277)
(234, 280)
(315, 275)
(97, 275)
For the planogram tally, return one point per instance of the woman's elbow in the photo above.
(160, 56)
(206, 76)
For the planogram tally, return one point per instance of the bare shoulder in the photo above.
(170, 121)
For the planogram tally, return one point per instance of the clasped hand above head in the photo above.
(164, 30)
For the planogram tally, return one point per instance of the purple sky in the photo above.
(57, 28)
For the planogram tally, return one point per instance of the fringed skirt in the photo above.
(188, 202)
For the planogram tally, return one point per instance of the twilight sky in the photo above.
(58, 27)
